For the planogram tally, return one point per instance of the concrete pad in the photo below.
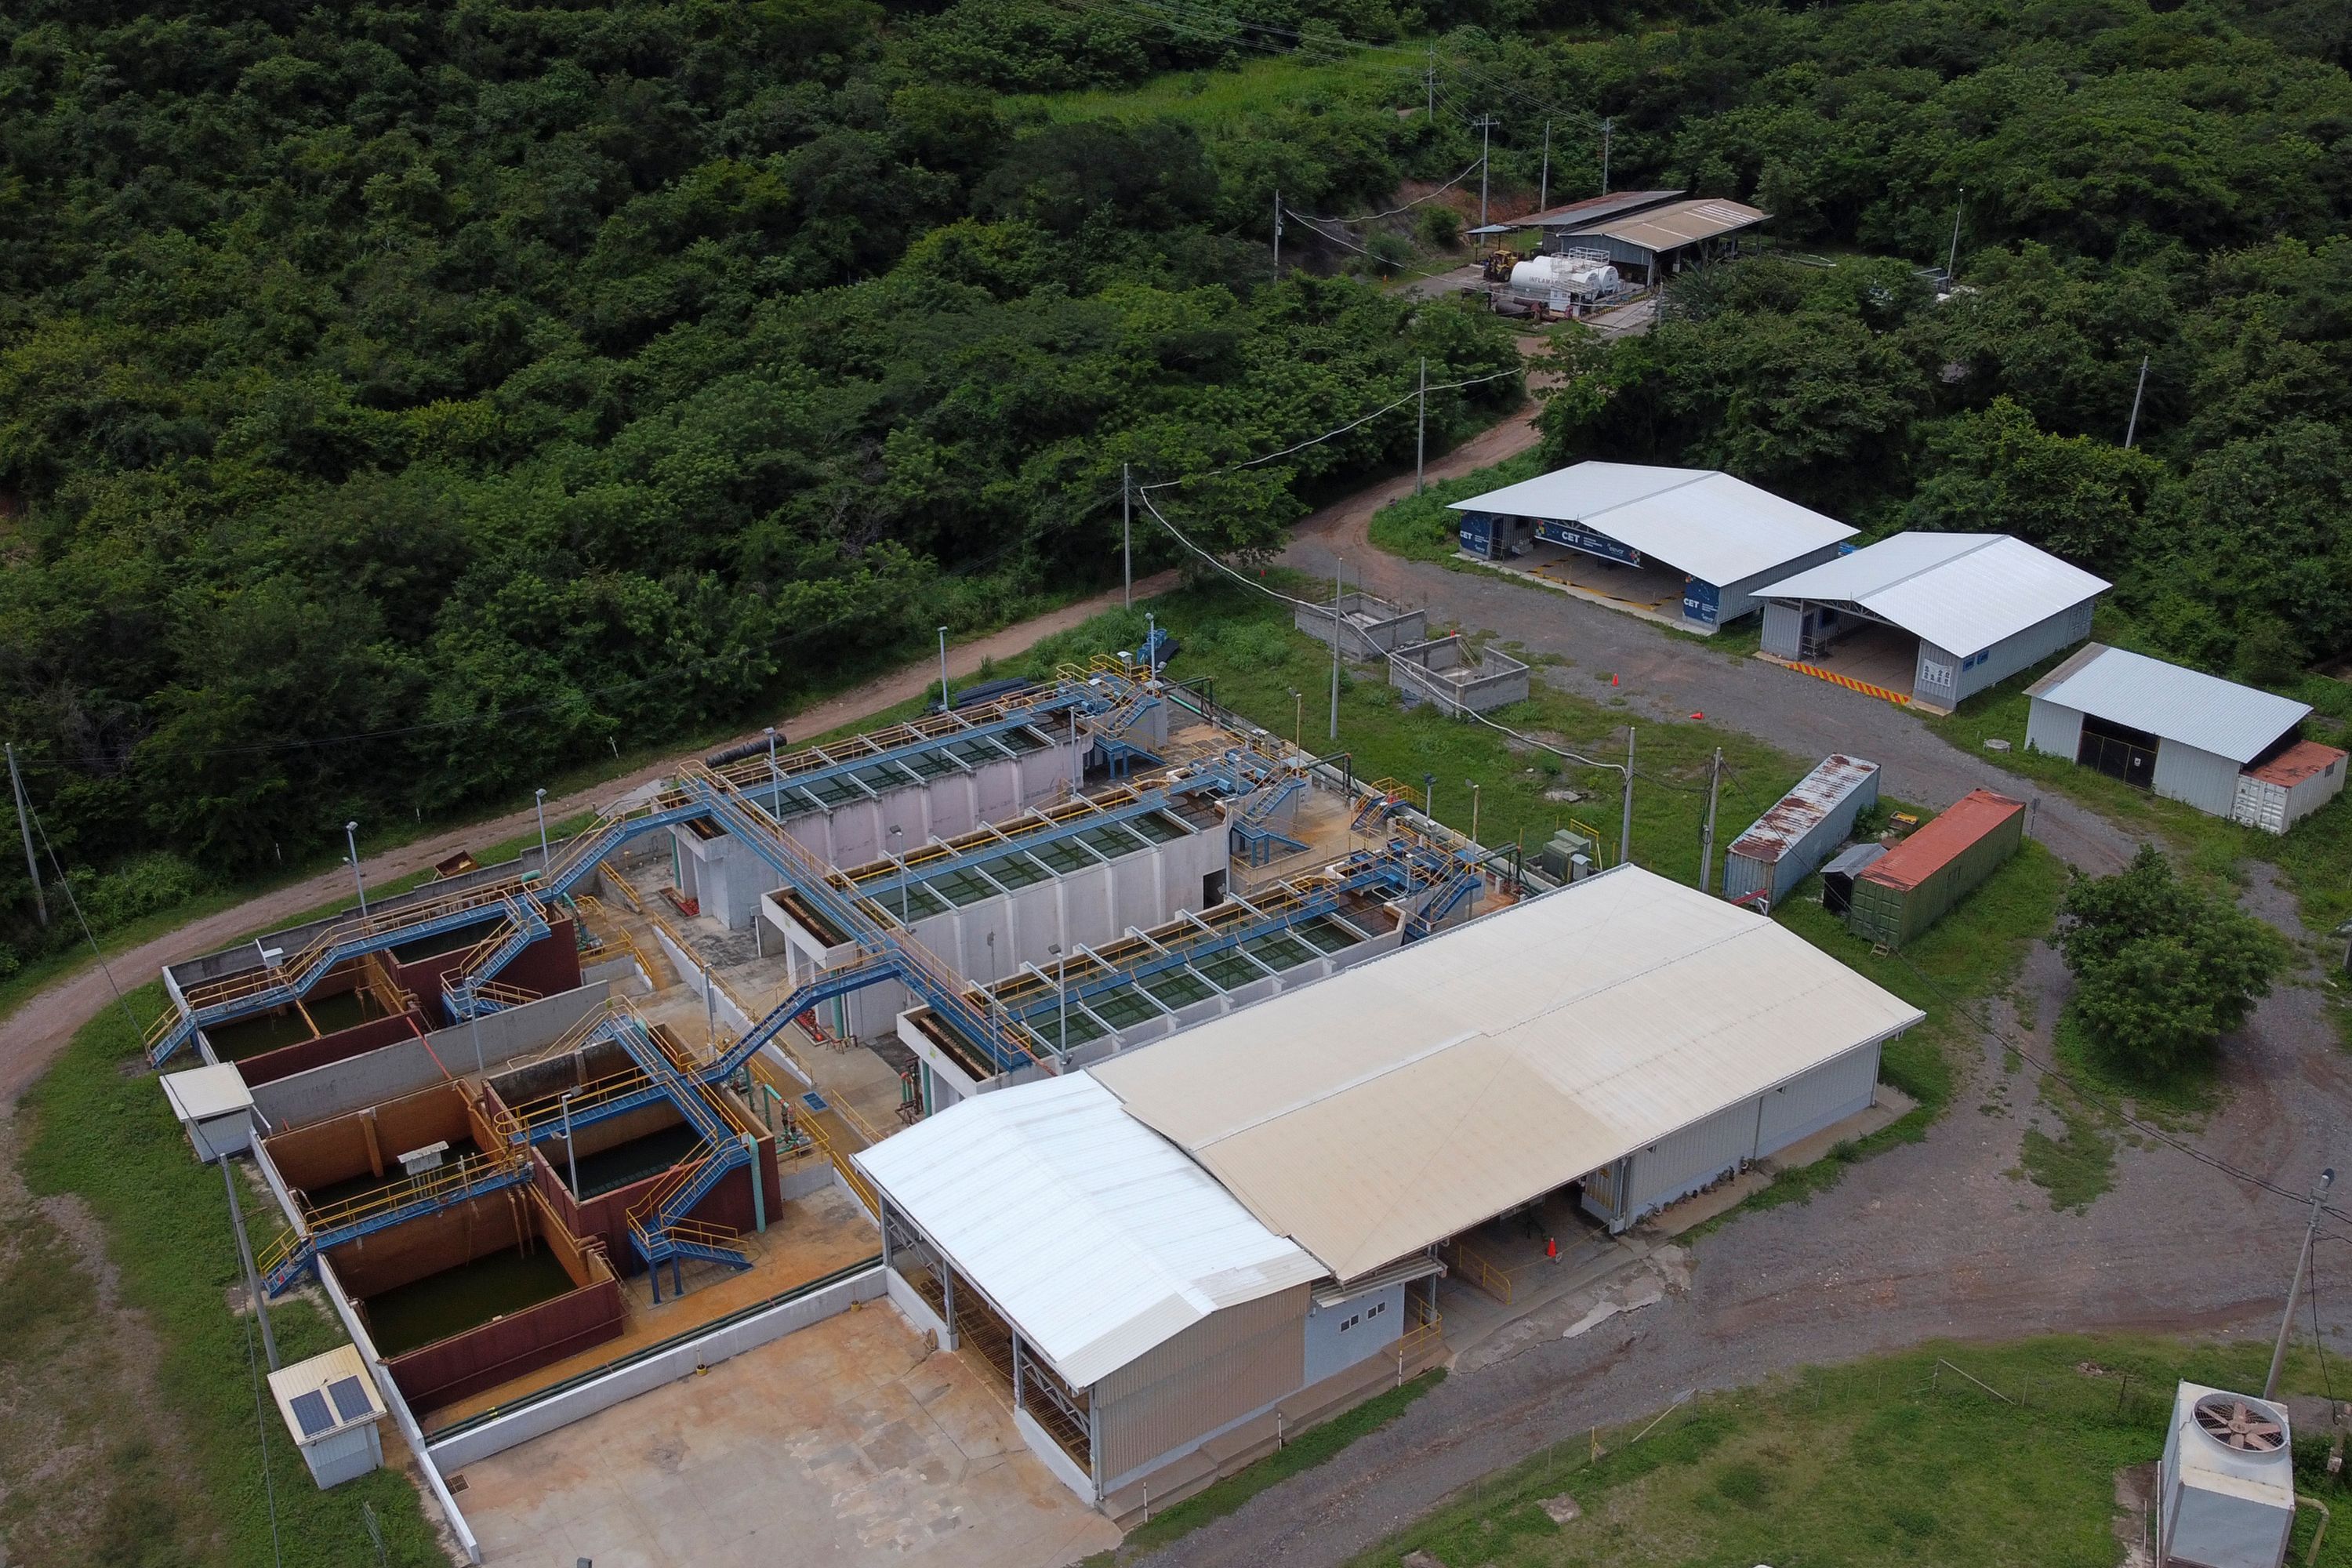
(842, 1443)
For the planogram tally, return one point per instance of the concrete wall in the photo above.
(992, 937)
(1441, 673)
(413, 1064)
(664, 1364)
(858, 831)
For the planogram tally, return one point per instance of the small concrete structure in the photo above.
(331, 1405)
(213, 1107)
(1447, 673)
(1369, 627)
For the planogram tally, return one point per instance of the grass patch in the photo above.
(1304, 1453)
(2076, 1167)
(1952, 973)
(1226, 103)
(96, 1126)
(1885, 1460)
(1423, 528)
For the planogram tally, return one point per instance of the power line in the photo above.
(1326, 435)
(1368, 217)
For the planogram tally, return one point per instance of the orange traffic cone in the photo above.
(1551, 1248)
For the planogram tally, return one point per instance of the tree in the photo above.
(2162, 971)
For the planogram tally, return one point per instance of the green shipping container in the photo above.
(1916, 883)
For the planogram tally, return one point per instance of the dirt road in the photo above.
(31, 1036)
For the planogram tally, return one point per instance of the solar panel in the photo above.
(311, 1412)
(350, 1397)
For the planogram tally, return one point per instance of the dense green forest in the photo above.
(397, 404)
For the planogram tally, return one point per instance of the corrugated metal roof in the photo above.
(1794, 815)
(1927, 851)
(1097, 1237)
(1413, 1096)
(1700, 521)
(1679, 224)
(2299, 762)
(2185, 705)
(1580, 214)
(1963, 592)
(1854, 858)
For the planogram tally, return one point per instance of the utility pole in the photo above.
(2301, 1263)
(1277, 236)
(1625, 831)
(245, 1257)
(1952, 262)
(25, 812)
(1606, 126)
(943, 669)
(1127, 531)
(1430, 76)
(1706, 836)
(1419, 450)
(352, 842)
(1337, 566)
(1486, 123)
(2131, 431)
(1543, 190)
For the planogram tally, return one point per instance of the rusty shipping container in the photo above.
(1789, 841)
(1919, 881)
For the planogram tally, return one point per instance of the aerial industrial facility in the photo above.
(1072, 1024)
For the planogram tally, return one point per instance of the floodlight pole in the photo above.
(943, 669)
(1062, 988)
(775, 785)
(1127, 531)
(539, 805)
(1474, 809)
(2301, 1263)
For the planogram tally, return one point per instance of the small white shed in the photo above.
(2223, 748)
(214, 1108)
(331, 1407)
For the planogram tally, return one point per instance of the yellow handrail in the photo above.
(462, 1172)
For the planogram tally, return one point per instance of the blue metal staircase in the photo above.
(295, 1253)
(1254, 834)
(526, 923)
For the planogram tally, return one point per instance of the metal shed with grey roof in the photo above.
(2174, 732)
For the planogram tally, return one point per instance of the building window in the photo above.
(1349, 1322)
(1376, 1309)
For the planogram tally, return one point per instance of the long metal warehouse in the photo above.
(1626, 1038)
(1699, 538)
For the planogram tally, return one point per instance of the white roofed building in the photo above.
(1929, 619)
(2223, 748)
(1690, 545)
(1243, 1217)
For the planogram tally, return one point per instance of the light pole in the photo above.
(352, 842)
(775, 780)
(1297, 718)
(1428, 796)
(1151, 644)
(1474, 809)
(1062, 987)
(1952, 262)
(571, 1158)
(2301, 1263)
(902, 874)
(539, 803)
(943, 669)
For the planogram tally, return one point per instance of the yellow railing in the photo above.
(832, 1151)
(234, 987)
(534, 1115)
(1475, 1268)
(1592, 836)
(506, 995)
(455, 1176)
(377, 983)
(1423, 1323)
(643, 1211)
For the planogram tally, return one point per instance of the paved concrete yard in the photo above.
(842, 1444)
